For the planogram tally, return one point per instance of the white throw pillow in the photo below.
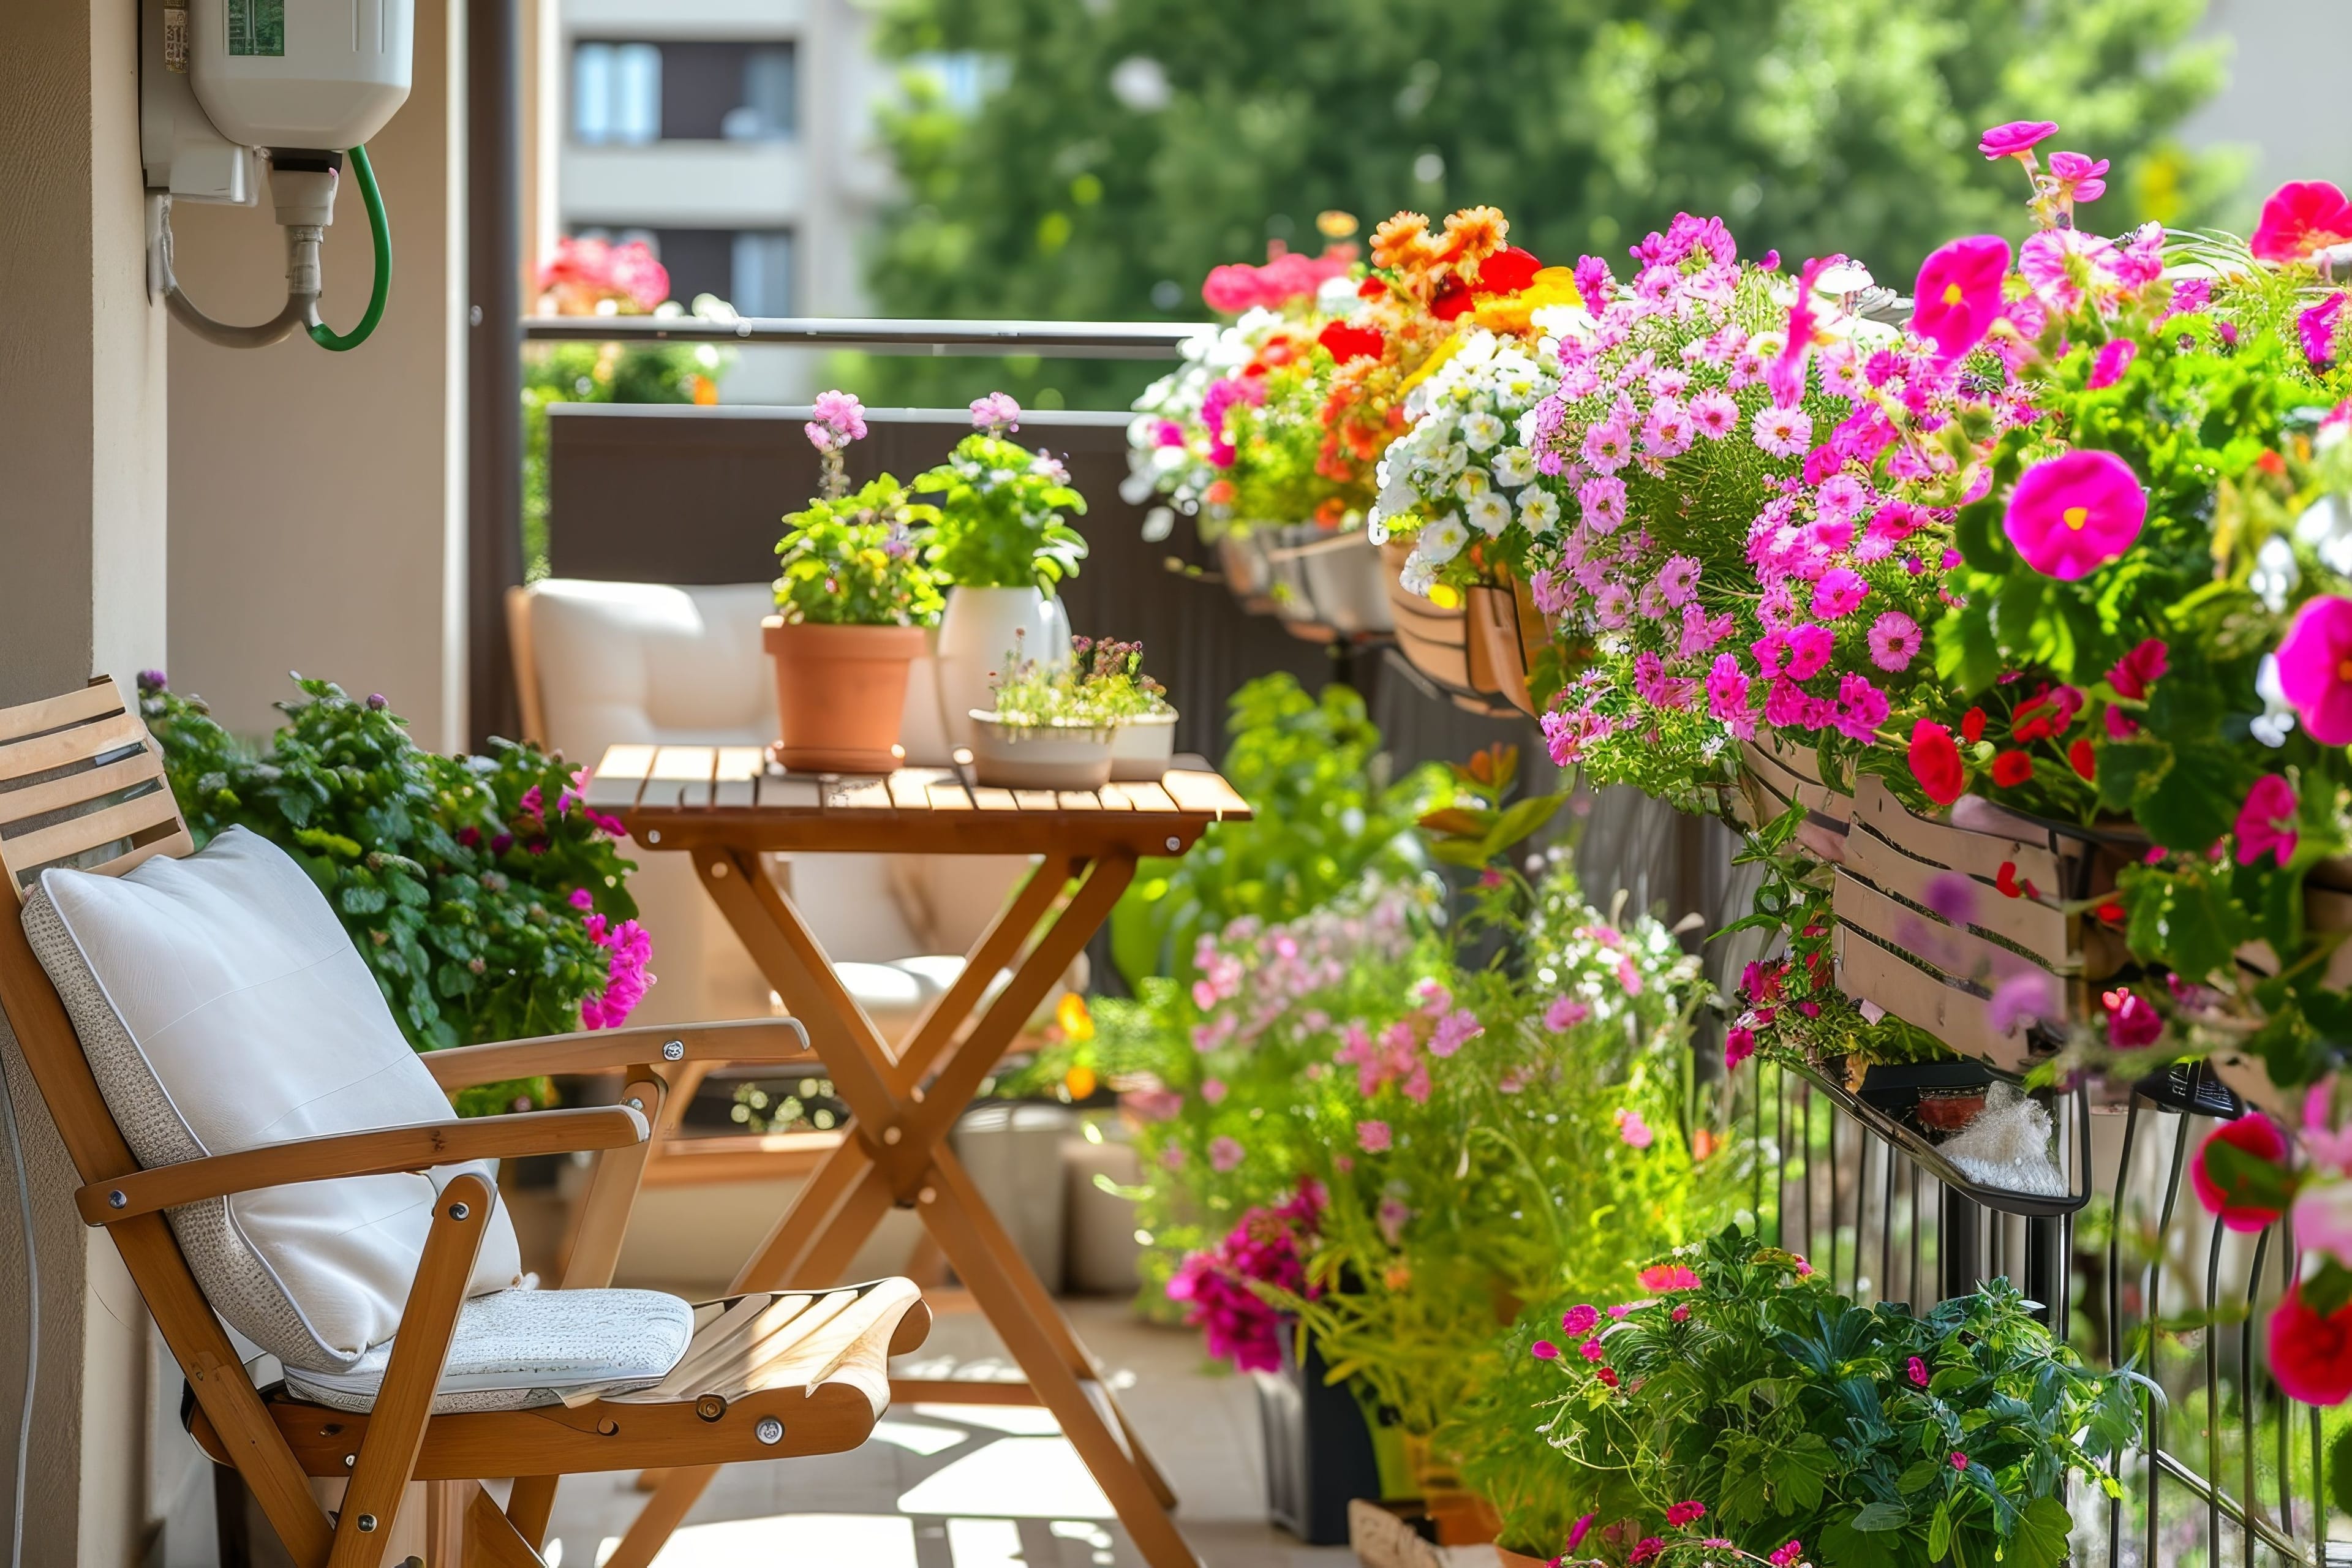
(223, 1007)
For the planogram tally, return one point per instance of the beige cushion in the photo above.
(223, 1007)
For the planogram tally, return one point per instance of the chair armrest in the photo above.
(380, 1150)
(612, 1050)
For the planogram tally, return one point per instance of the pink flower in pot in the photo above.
(2315, 667)
(2073, 513)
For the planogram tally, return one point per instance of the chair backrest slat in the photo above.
(81, 784)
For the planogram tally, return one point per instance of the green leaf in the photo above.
(1879, 1515)
(2039, 1540)
(1939, 1532)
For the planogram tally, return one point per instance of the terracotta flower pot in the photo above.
(1437, 640)
(839, 693)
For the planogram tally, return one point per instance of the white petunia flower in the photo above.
(1450, 460)
(1442, 541)
(1513, 466)
(1482, 432)
(1418, 576)
(2278, 717)
(2327, 526)
(1472, 484)
(2275, 574)
(1489, 514)
(1539, 512)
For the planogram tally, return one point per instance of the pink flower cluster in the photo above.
(838, 419)
(586, 273)
(1254, 977)
(626, 977)
(1287, 276)
(1268, 1248)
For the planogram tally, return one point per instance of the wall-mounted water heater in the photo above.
(228, 89)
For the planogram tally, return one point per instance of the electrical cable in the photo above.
(32, 1322)
(380, 230)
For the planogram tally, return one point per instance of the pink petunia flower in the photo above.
(1372, 1137)
(1739, 1045)
(1714, 415)
(2065, 266)
(1782, 432)
(2301, 216)
(1544, 1350)
(2108, 366)
(2073, 513)
(2015, 139)
(1918, 1371)
(2317, 329)
(1810, 648)
(1839, 593)
(1590, 1350)
(1958, 293)
(2132, 1020)
(1580, 1320)
(1660, 1277)
(1895, 640)
(2315, 668)
(1604, 501)
(2080, 177)
(1565, 1013)
(2266, 821)
(1634, 1132)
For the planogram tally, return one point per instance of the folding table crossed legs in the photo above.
(899, 1156)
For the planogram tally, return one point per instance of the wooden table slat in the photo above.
(737, 782)
(1149, 797)
(857, 794)
(789, 792)
(689, 767)
(619, 777)
(988, 799)
(1080, 800)
(948, 796)
(1113, 797)
(910, 787)
(1204, 793)
(1036, 800)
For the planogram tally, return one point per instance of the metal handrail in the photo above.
(939, 339)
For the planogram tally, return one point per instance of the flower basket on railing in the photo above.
(1439, 641)
(1966, 932)
(1512, 634)
(1249, 575)
(1336, 577)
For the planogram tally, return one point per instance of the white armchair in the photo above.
(600, 663)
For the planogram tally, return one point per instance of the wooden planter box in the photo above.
(1894, 949)
(1775, 774)
(1438, 642)
(1511, 633)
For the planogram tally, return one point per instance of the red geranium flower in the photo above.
(1972, 724)
(1453, 298)
(2249, 1187)
(2311, 1355)
(2011, 769)
(1936, 763)
(2084, 760)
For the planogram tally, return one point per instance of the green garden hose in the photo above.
(379, 229)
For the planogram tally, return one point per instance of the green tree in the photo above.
(1123, 147)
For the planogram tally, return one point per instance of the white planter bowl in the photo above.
(1039, 756)
(1344, 580)
(976, 637)
(1141, 748)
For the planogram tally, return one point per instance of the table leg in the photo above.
(998, 946)
(992, 1268)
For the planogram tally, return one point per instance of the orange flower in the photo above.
(1401, 239)
(1473, 235)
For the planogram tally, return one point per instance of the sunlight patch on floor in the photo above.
(802, 1540)
(1014, 1420)
(1012, 1477)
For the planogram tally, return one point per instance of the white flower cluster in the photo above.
(1457, 468)
(1167, 448)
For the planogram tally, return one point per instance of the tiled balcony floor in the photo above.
(980, 1486)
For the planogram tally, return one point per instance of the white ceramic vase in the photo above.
(977, 637)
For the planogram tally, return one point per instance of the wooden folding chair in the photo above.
(764, 1376)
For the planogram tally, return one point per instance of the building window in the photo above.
(751, 269)
(627, 94)
(616, 93)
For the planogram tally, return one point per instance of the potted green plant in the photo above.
(1145, 740)
(1001, 543)
(1050, 723)
(853, 602)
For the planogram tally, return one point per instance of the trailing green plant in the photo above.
(1325, 813)
(488, 900)
(1744, 1401)
(1499, 1440)
(1001, 506)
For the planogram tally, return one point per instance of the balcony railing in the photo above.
(935, 339)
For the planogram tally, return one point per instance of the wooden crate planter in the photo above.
(1775, 774)
(1894, 951)
(1437, 642)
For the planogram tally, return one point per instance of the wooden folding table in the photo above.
(723, 807)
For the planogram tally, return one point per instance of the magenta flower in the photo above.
(1728, 695)
(2140, 669)
(2109, 364)
(1788, 1556)
(1810, 648)
(1739, 1045)
(1590, 1350)
(996, 413)
(2302, 216)
(1663, 1277)
(1894, 641)
(1578, 1531)
(1644, 1551)
(2132, 1020)
(2266, 821)
(2317, 328)
(1372, 1137)
(1785, 376)
(1580, 1320)
(2314, 667)
(1960, 1460)
(2080, 177)
(1682, 1513)
(1839, 593)
(1714, 415)
(1544, 1350)
(2015, 139)
(1565, 1013)
(2073, 513)
(1918, 1371)
(1958, 293)
(2064, 266)
(1783, 432)
(1454, 1031)
(1604, 501)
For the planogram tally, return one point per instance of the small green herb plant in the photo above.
(1001, 508)
(855, 560)
(1102, 683)
(488, 900)
(1746, 1401)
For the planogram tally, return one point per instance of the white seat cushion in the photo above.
(223, 1007)
(515, 1349)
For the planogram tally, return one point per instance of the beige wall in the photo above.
(318, 500)
(81, 590)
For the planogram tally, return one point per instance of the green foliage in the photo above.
(1794, 1415)
(1101, 683)
(857, 561)
(1000, 517)
(455, 877)
(1325, 814)
(1500, 1440)
(1813, 126)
